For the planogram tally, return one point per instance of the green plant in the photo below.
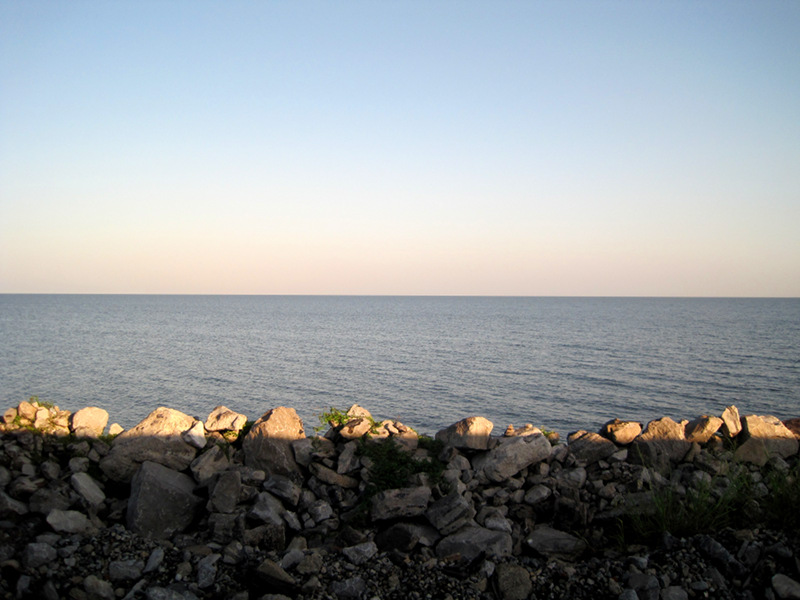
(392, 466)
(335, 417)
(781, 507)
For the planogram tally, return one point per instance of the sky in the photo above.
(604, 148)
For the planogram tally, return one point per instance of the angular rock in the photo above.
(331, 477)
(274, 576)
(471, 542)
(9, 506)
(588, 447)
(268, 444)
(552, 542)
(352, 587)
(89, 422)
(793, 425)
(207, 571)
(209, 463)
(702, 428)
(621, 432)
(98, 589)
(511, 456)
(753, 451)
(125, 570)
(661, 443)
(88, 489)
(355, 428)
(225, 495)
(195, 435)
(777, 438)
(403, 502)
(158, 439)
(284, 488)
(37, 554)
(162, 501)
(538, 493)
(400, 536)
(451, 513)
(731, 422)
(360, 553)
(471, 433)
(224, 419)
(68, 521)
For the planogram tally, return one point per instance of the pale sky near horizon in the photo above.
(610, 148)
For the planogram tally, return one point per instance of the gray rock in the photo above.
(552, 542)
(785, 587)
(511, 456)
(360, 553)
(284, 488)
(471, 542)
(207, 571)
(162, 501)
(451, 513)
(10, 507)
(125, 570)
(158, 439)
(513, 581)
(195, 435)
(348, 459)
(588, 447)
(88, 489)
(224, 419)
(352, 587)
(268, 444)
(89, 422)
(538, 493)
(209, 463)
(403, 502)
(268, 509)
(37, 554)
(662, 442)
(674, 592)
(98, 589)
(154, 560)
(777, 438)
(471, 433)
(331, 477)
(225, 494)
(273, 575)
(68, 521)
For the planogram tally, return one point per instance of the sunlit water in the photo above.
(560, 363)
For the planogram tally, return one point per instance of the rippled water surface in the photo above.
(561, 363)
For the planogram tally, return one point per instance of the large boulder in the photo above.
(621, 432)
(662, 442)
(731, 421)
(162, 501)
(764, 438)
(702, 428)
(588, 447)
(158, 438)
(89, 422)
(511, 456)
(224, 419)
(268, 444)
(401, 502)
(471, 433)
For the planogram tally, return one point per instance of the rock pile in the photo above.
(223, 508)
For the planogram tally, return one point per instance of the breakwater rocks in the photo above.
(179, 508)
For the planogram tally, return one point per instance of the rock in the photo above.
(158, 439)
(753, 451)
(538, 493)
(702, 428)
(98, 589)
(785, 587)
(352, 587)
(645, 585)
(400, 536)
(224, 419)
(511, 456)
(125, 570)
(674, 592)
(27, 411)
(68, 521)
(115, 429)
(331, 477)
(470, 542)
(777, 439)
(731, 422)
(88, 489)
(268, 444)
(589, 448)
(403, 502)
(225, 494)
(360, 553)
(513, 581)
(471, 433)
(162, 501)
(207, 571)
(661, 443)
(195, 435)
(154, 560)
(355, 428)
(793, 425)
(38, 554)
(89, 422)
(551, 542)
(621, 432)
(10, 506)
(284, 488)
(451, 513)
(209, 463)
(274, 576)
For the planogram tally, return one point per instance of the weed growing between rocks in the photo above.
(392, 467)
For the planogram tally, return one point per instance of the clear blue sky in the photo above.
(461, 147)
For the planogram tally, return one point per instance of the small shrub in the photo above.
(392, 467)
(781, 507)
(335, 417)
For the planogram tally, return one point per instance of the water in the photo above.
(560, 363)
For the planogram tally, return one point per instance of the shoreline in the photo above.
(368, 509)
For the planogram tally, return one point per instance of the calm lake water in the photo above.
(560, 363)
